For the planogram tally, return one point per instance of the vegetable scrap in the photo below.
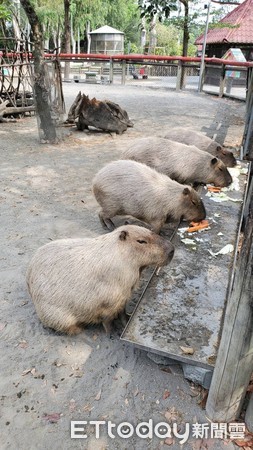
(214, 189)
(196, 226)
(229, 248)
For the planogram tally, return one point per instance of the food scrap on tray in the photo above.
(196, 226)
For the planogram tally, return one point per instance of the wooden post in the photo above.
(202, 77)
(123, 76)
(249, 415)
(234, 365)
(222, 80)
(248, 131)
(111, 71)
(179, 75)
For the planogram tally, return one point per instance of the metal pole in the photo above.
(202, 64)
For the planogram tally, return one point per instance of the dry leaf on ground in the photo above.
(169, 441)
(52, 418)
(166, 394)
(98, 396)
(187, 350)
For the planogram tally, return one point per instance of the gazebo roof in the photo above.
(106, 30)
(242, 17)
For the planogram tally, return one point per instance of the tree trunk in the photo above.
(72, 35)
(186, 36)
(104, 115)
(88, 36)
(152, 36)
(67, 37)
(143, 35)
(17, 32)
(78, 40)
(41, 93)
(185, 27)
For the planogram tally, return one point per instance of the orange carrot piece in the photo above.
(214, 189)
(195, 226)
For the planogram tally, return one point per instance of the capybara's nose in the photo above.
(201, 215)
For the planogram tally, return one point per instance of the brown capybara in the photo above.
(191, 137)
(128, 187)
(181, 162)
(88, 281)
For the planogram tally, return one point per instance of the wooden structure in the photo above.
(16, 92)
(234, 365)
(239, 34)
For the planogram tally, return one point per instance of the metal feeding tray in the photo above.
(184, 305)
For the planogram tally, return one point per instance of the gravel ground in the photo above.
(48, 379)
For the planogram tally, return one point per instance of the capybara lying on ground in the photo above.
(191, 137)
(181, 162)
(88, 281)
(130, 188)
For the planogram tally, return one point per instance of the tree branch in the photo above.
(225, 2)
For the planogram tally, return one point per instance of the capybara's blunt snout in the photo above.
(201, 216)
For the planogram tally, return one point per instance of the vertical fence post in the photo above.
(222, 80)
(179, 75)
(248, 131)
(111, 71)
(123, 76)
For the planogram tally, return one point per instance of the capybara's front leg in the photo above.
(156, 225)
(106, 223)
(107, 324)
(123, 318)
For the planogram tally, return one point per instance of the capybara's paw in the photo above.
(74, 329)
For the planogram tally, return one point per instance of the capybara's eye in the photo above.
(194, 203)
(141, 241)
(220, 169)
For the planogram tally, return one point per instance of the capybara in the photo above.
(128, 187)
(191, 137)
(88, 281)
(181, 162)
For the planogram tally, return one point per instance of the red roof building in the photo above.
(219, 40)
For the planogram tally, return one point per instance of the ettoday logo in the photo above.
(162, 430)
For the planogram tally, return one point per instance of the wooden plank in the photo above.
(234, 365)
(17, 110)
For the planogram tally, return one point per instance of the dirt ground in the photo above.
(48, 379)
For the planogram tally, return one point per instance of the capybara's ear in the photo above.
(123, 235)
(186, 191)
(214, 161)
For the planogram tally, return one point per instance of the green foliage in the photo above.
(161, 8)
(168, 38)
(5, 12)
(121, 14)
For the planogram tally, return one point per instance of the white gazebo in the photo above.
(107, 40)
